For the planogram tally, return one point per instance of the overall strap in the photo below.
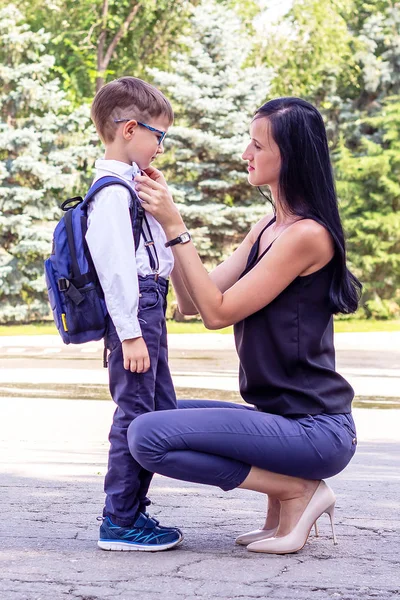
(150, 246)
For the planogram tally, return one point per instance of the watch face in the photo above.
(185, 237)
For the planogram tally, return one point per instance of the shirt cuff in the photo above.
(128, 330)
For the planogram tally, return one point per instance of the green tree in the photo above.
(311, 49)
(95, 41)
(98, 40)
(214, 97)
(369, 189)
(343, 56)
(44, 149)
(367, 160)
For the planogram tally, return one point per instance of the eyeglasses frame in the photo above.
(149, 127)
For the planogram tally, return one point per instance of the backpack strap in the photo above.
(70, 286)
(136, 209)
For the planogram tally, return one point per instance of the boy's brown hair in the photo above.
(127, 97)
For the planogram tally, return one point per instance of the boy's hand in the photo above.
(136, 355)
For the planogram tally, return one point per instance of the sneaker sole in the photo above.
(129, 547)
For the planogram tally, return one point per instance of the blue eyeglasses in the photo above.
(162, 134)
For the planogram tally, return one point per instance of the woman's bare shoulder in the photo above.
(312, 230)
(310, 235)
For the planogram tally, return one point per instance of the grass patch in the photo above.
(345, 325)
(47, 328)
(365, 325)
(193, 327)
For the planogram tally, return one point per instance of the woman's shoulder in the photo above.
(312, 231)
(309, 237)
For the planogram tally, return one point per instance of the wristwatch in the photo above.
(184, 238)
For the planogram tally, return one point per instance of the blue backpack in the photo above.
(75, 294)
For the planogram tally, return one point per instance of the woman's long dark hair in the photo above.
(306, 184)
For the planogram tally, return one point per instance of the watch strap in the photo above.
(179, 240)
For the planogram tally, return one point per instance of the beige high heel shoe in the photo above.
(322, 501)
(261, 534)
(255, 536)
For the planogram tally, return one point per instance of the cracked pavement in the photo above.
(53, 459)
(52, 468)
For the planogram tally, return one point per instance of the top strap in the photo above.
(266, 227)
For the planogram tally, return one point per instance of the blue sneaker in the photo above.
(146, 535)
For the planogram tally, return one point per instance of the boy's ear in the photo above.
(129, 128)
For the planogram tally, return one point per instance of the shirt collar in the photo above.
(116, 167)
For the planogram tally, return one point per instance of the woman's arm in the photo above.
(302, 246)
(294, 252)
(224, 275)
(185, 302)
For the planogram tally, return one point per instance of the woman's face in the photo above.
(262, 154)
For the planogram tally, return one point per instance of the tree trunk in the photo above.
(100, 79)
(105, 55)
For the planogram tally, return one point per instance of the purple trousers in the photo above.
(217, 443)
(127, 482)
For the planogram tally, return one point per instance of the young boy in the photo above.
(132, 118)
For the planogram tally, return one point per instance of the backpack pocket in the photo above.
(85, 320)
(77, 321)
(55, 300)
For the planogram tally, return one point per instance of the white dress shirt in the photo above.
(111, 245)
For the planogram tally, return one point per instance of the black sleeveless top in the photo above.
(286, 352)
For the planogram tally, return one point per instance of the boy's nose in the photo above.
(160, 149)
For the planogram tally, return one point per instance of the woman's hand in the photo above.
(156, 175)
(157, 200)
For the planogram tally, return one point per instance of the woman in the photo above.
(280, 289)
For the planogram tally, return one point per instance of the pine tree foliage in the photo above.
(214, 95)
(43, 152)
(368, 165)
(369, 188)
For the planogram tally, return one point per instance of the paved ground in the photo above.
(53, 459)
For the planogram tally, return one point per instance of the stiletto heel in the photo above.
(316, 529)
(322, 501)
(330, 511)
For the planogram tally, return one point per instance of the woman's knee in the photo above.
(142, 440)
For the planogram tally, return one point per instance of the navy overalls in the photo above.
(126, 483)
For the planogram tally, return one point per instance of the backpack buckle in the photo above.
(63, 284)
